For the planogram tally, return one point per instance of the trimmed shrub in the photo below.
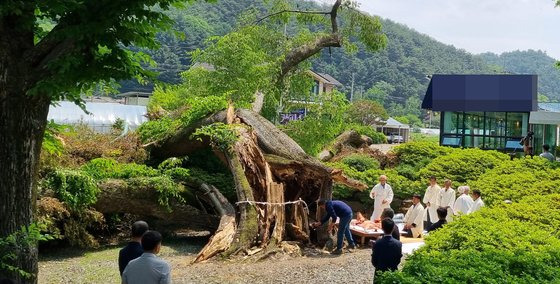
(463, 165)
(419, 154)
(513, 180)
(360, 162)
(505, 244)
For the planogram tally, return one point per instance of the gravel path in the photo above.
(354, 267)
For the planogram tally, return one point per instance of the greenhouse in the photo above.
(101, 116)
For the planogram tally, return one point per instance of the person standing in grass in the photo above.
(148, 268)
(133, 249)
(337, 208)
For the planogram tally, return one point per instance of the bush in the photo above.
(75, 188)
(463, 165)
(402, 187)
(513, 180)
(108, 168)
(419, 154)
(360, 162)
(377, 137)
(509, 243)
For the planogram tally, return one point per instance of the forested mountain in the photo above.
(530, 62)
(395, 76)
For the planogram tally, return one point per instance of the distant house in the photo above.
(135, 98)
(324, 83)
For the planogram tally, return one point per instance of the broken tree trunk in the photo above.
(117, 196)
(269, 169)
(222, 239)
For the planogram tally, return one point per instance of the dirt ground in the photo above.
(100, 266)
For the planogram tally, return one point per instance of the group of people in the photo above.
(441, 204)
(138, 262)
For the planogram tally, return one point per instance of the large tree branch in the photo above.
(301, 53)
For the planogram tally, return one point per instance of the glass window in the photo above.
(450, 122)
(517, 123)
(495, 124)
(474, 123)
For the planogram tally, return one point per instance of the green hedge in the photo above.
(463, 165)
(511, 243)
(513, 180)
(505, 244)
(419, 154)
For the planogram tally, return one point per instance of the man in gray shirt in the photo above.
(148, 268)
(546, 154)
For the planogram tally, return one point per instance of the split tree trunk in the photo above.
(22, 125)
(267, 166)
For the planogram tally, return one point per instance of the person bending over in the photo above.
(336, 208)
(148, 268)
(133, 249)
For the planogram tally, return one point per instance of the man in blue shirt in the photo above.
(336, 208)
(387, 251)
(133, 249)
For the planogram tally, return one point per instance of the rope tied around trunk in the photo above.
(274, 203)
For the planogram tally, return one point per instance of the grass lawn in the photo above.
(71, 265)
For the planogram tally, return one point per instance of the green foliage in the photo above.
(369, 131)
(51, 142)
(463, 165)
(530, 62)
(20, 240)
(154, 130)
(366, 112)
(222, 136)
(402, 187)
(166, 187)
(323, 123)
(419, 154)
(221, 180)
(360, 162)
(75, 188)
(103, 168)
(509, 243)
(419, 137)
(513, 180)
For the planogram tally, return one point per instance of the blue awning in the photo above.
(514, 93)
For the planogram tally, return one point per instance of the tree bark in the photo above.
(22, 125)
(117, 196)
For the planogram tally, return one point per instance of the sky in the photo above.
(478, 25)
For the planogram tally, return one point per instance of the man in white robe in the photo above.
(464, 202)
(431, 199)
(447, 199)
(478, 203)
(414, 218)
(382, 193)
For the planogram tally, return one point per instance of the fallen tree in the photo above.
(275, 180)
